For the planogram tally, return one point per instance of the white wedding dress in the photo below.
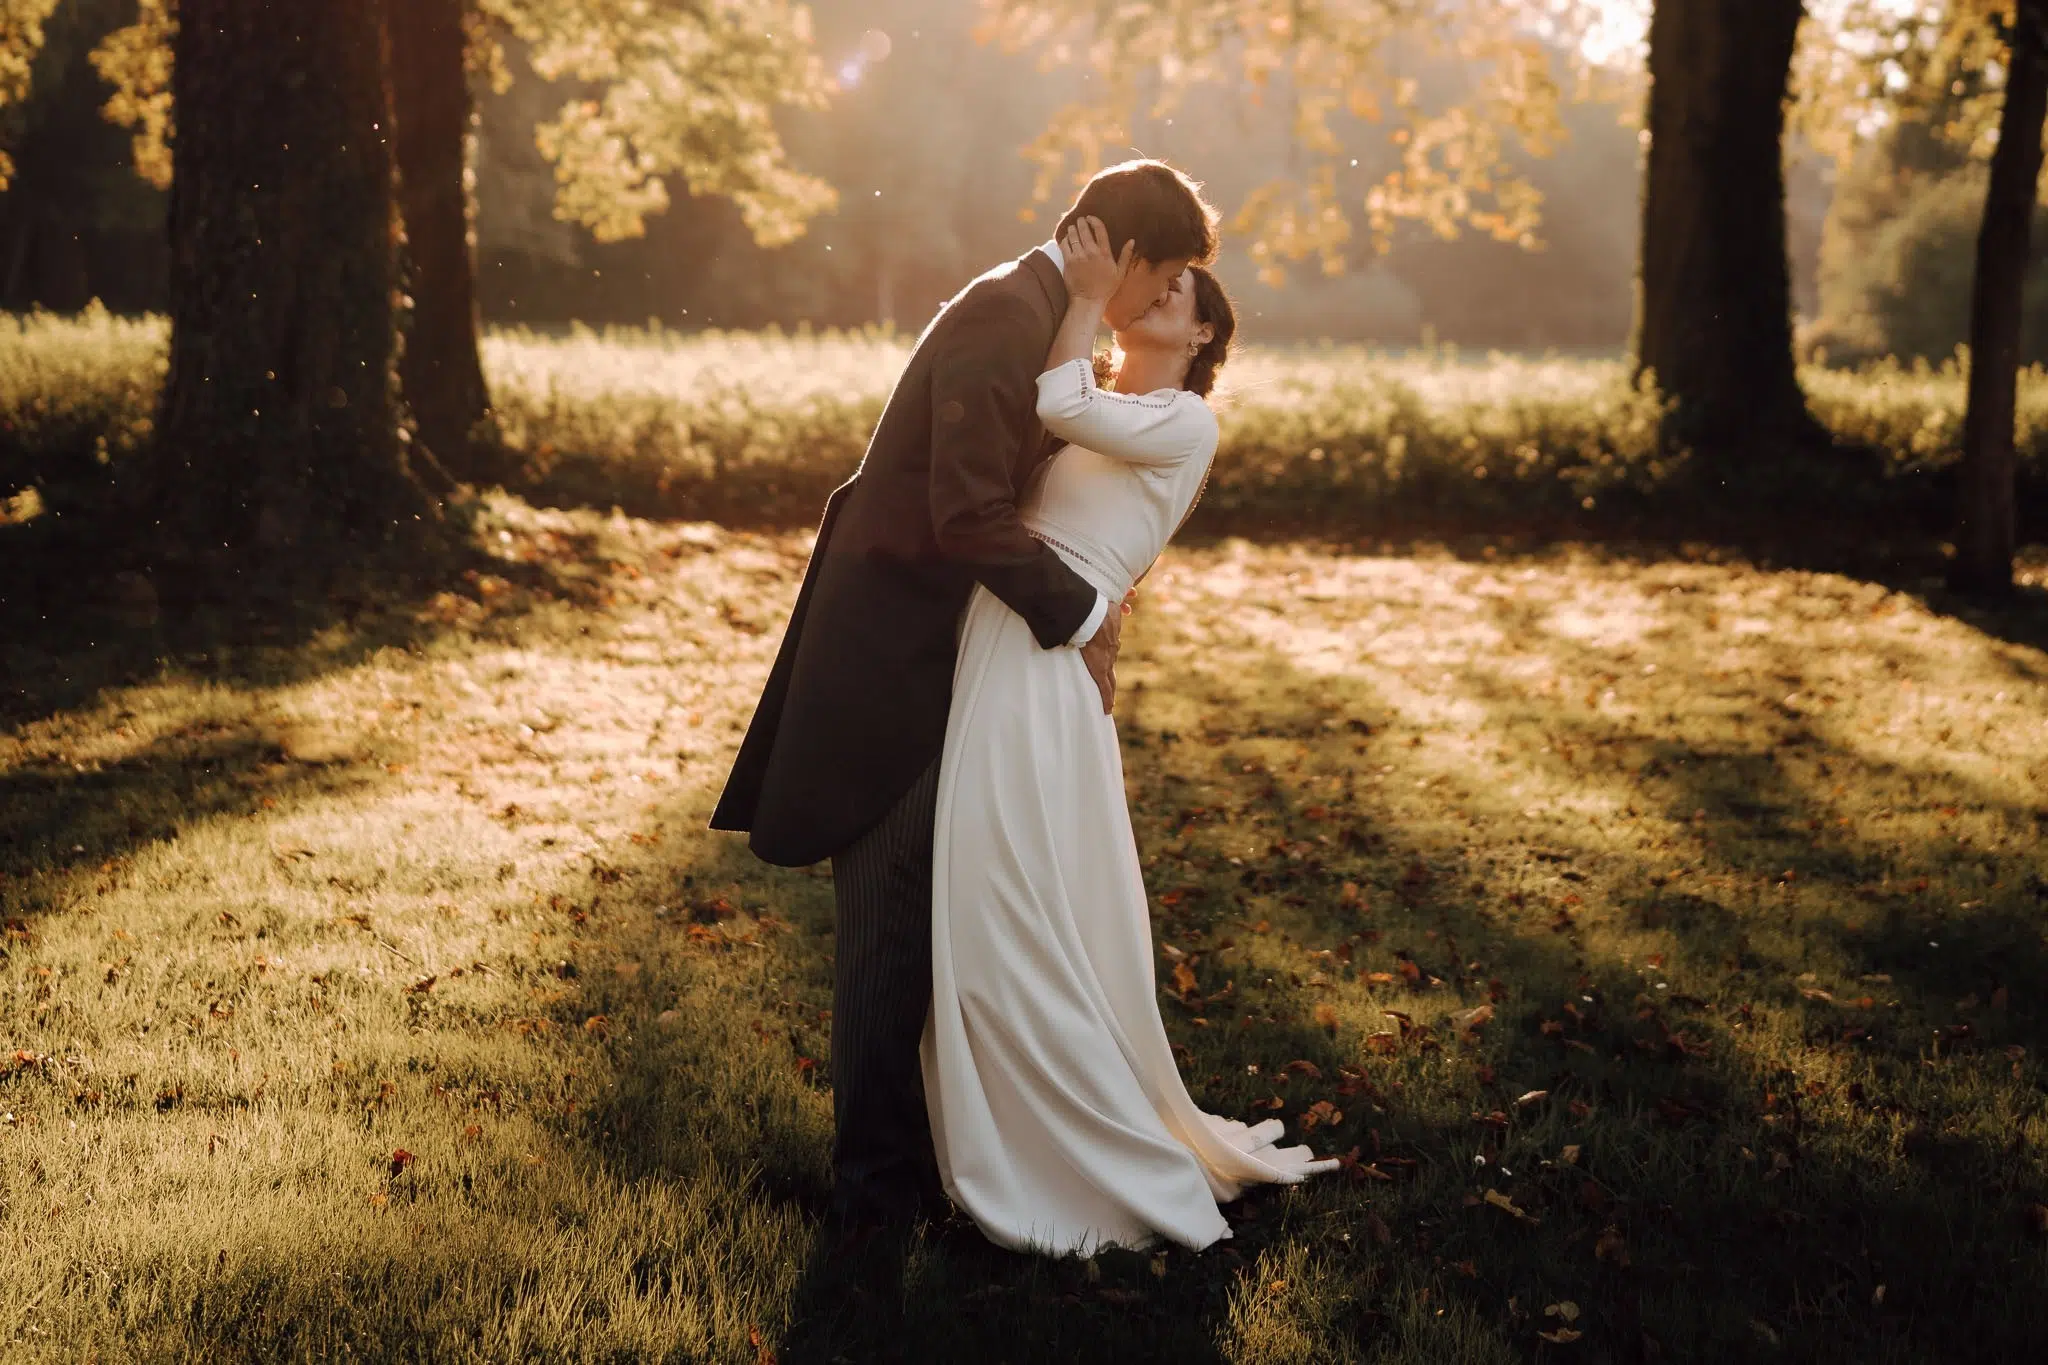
(1058, 1114)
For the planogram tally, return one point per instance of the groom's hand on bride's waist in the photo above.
(1099, 654)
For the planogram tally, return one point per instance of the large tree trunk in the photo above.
(279, 434)
(1714, 317)
(442, 374)
(1984, 522)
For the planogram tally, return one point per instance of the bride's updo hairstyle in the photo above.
(1212, 305)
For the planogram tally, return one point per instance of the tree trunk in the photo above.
(442, 374)
(279, 437)
(1984, 521)
(1714, 314)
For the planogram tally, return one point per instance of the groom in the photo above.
(842, 758)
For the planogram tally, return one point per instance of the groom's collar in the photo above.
(1045, 265)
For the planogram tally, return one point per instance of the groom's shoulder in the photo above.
(1005, 281)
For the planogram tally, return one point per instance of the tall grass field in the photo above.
(751, 428)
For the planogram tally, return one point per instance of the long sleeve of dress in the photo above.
(1161, 429)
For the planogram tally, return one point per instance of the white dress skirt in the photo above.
(1058, 1113)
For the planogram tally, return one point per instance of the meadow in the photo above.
(1657, 934)
(1660, 941)
(754, 429)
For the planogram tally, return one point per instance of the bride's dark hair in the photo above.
(1212, 305)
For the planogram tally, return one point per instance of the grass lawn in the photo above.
(1662, 939)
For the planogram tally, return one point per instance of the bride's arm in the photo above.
(1076, 338)
(1161, 429)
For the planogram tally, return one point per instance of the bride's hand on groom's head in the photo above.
(1092, 270)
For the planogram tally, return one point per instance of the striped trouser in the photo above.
(881, 991)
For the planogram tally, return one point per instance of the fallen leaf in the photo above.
(1507, 1205)
(378, 1201)
(1469, 1020)
(1319, 1113)
(1563, 1336)
(1308, 1069)
(1570, 1155)
(1326, 1015)
(1567, 1311)
(1612, 1247)
(1531, 1097)
(400, 1159)
(1380, 978)
(1183, 980)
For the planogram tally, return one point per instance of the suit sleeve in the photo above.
(984, 389)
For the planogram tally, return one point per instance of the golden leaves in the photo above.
(136, 62)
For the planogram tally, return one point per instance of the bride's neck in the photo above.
(1145, 371)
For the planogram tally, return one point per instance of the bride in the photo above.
(1059, 1118)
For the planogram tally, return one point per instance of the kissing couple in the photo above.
(937, 723)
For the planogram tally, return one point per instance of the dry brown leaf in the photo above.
(1326, 1015)
(1477, 1017)
(1320, 1113)
(1183, 979)
(1507, 1205)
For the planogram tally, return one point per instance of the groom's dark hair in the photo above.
(1153, 204)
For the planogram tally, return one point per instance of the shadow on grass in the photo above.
(1730, 1168)
(1712, 1149)
(60, 818)
(1766, 1169)
(73, 622)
